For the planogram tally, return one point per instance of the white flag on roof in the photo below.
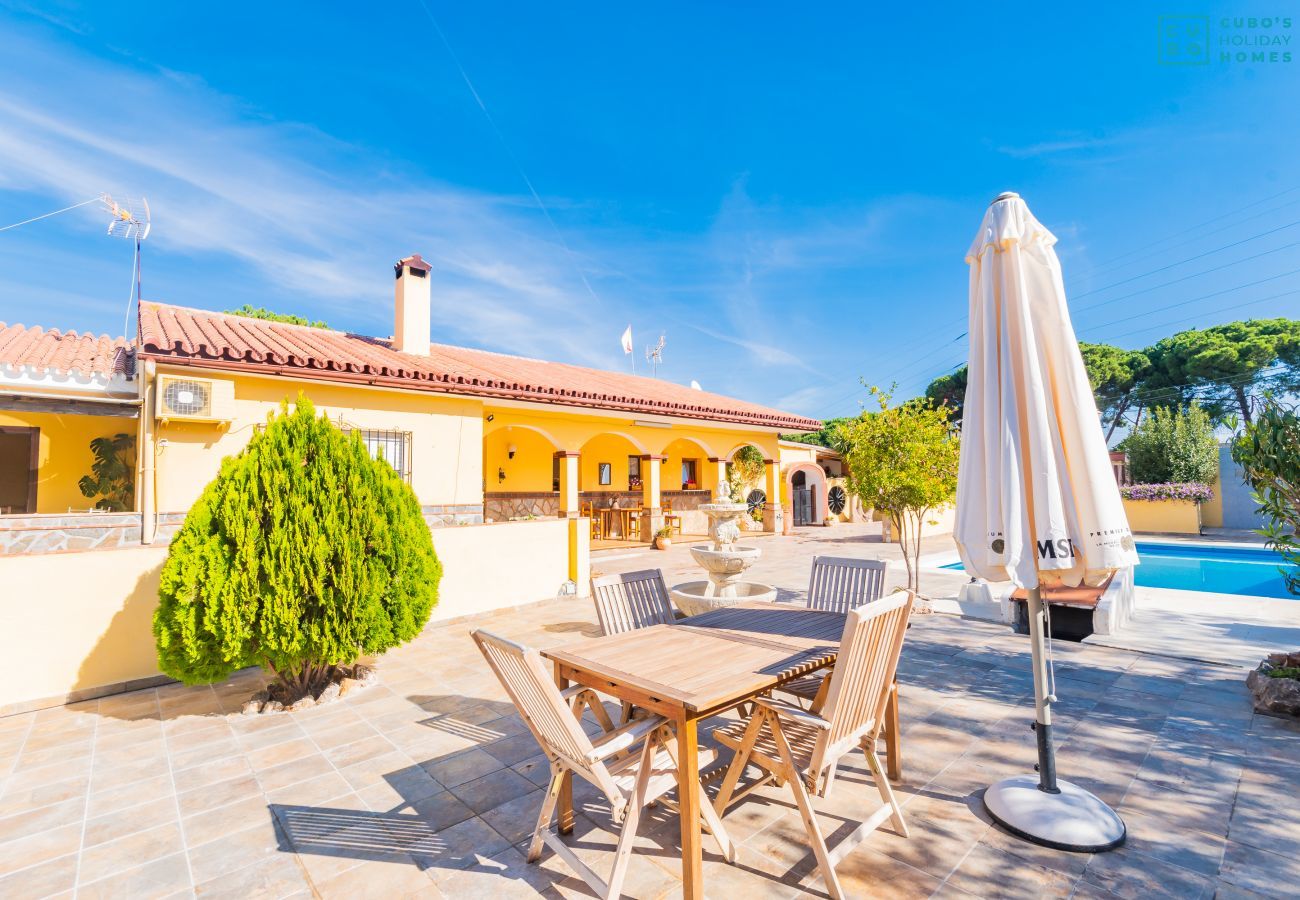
(627, 340)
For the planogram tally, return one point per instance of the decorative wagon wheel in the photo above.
(756, 501)
(837, 499)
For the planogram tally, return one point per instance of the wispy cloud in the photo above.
(262, 195)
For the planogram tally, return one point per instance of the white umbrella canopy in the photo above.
(1037, 501)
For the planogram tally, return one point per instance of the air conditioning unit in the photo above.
(194, 399)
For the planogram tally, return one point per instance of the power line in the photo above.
(55, 213)
(1076, 296)
(1183, 262)
(1210, 221)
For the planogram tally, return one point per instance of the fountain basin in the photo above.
(695, 597)
(732, 561)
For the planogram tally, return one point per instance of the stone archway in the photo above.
(806, 486)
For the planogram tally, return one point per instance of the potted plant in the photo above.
(664, 538)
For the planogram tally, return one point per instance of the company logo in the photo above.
(1184, 40)
(1200, 40)
(1060, 548)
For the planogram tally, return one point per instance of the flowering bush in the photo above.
(1189, 490)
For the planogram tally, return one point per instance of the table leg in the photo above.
(564, 804)
(893, 741)
(688, 799)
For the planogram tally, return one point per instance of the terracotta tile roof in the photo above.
(64, 352)
(197, 337)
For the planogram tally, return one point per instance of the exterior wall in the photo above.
(80, 625)
(486, 567)
(531, 470)
(65, 454)
(1163, 516)
(1233, 495)
(446, 436)
(53, 533)
(507, 505)
(1212, 509)
(575, 431)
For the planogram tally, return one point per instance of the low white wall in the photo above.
(76, 625)
(487, 567)
(80, 625)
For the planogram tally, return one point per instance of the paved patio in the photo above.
(427, 783)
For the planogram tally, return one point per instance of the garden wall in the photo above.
(76, 625)
(1163, 516)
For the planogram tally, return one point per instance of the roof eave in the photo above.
(480, 391)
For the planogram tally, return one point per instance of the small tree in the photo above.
(903, 462)
(302, 555)
(1173, 445)
(249, 311)
(112, 474)
(1268, 451)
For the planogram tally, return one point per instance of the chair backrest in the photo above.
(530, 686)
(839, 584)
(863, 675)
(631, 600)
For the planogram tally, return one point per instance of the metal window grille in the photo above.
(393, 447)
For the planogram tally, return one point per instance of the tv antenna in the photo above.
(655, 355)
(129, 219)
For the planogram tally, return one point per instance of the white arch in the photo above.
(736, 449)
(493, 429)
(814, 474)
(708, 451)
(627, 437)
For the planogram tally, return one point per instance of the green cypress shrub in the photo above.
(301, 556)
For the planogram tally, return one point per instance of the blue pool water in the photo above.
(1205, 567)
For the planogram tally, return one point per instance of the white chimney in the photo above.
(411, 332)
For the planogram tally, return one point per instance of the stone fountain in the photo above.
(724, 562)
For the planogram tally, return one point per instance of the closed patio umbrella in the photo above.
(1037, 502)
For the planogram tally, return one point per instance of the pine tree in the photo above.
(301, 556)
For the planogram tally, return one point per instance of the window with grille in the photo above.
(393, 447)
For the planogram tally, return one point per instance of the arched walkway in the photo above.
(806, 486)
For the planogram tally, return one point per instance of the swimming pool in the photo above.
(1205, 567)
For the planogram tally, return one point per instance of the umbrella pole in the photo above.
(1042, 809)
(1038, 638)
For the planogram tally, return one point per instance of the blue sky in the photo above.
(787, 194)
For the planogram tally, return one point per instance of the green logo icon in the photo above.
(1184, 40)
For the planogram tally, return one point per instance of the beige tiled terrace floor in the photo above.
(427, 784)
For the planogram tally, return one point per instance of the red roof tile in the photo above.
(63, 352)
(198, 337)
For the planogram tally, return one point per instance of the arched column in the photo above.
(569, 504)
(773, 512)
(652, 514)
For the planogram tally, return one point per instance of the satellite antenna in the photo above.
(655, 355)
(129, 219)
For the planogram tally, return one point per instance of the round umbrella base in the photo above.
(1073, 820)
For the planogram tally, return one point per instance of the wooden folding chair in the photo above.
(633, 766)
(803, 749)
(631, 600)
(837, 584)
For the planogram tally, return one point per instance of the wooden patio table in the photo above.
(697, 668)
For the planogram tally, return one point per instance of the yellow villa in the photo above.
(543, 458)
